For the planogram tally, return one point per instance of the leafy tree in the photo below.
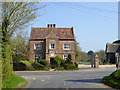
(20, 46)
(102, 56)
(16, 16)
(91, 57)
(77, 49)
(20, 14)
(6, 51)
(80, 56)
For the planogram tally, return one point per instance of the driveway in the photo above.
(84, 78)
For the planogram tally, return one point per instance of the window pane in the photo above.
(66, 46)
(65, 56)
(37, 56)
(38, 46)
(52, 46)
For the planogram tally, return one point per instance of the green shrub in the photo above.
(20, 65)
(41, 64)
(113, 79)
(59, 68)
(62, 62)
(69, 59)
(108, 80)
(76, 65)
(27, 63)
(69, 66)
(38, 66)
(57, 61)
(116, 75)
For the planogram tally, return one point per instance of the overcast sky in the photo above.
(94, 23)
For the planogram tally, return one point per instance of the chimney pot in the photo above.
(48, 25)
(51, 25)
(54, 25)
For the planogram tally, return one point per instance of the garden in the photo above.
(42, 64)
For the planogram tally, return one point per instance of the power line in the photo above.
(79, 9)
(94, 8)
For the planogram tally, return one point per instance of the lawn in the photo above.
(14, 81)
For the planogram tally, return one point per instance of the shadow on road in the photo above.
(86, 80)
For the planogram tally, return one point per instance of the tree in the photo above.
(91, 57)
(20, 46)
(77, 49)
(102, 55)
(16, 16)
(80, 56)
(20, 14)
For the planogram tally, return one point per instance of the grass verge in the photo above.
(14, 81)
(112, 80)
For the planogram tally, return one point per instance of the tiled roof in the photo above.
(62, 33)
(112, 48)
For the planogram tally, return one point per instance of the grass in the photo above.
(14, 81)
(113, 79)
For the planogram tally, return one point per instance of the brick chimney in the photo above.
(54, 25)
(51, 25)
(48, 25)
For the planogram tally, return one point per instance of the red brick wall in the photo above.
(58, 49)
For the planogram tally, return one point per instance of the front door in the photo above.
(51, 63)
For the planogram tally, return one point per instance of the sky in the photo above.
(94, 23)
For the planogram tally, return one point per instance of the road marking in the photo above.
(34, 78)
(64, 83)
(42, 80)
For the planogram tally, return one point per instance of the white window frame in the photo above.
(37, 56)
(67, 45)
(65, 56)
(50, 46)
(40, 46)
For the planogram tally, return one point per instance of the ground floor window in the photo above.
(37, 56)
(65, 56)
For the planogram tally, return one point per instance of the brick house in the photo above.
(50, 42)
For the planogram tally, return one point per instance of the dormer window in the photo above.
(52, 46)
(37, 46)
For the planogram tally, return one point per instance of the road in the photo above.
(84, 78)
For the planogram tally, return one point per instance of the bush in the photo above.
(38, 66)
(27, 63)
(76, 65)
(113, 79)
(116, 75)
(21, 65)
(69, 66)
(59, 68)
(57, 61)
(41, 64)
(69, 59)
(62, 62)
(108, 80)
